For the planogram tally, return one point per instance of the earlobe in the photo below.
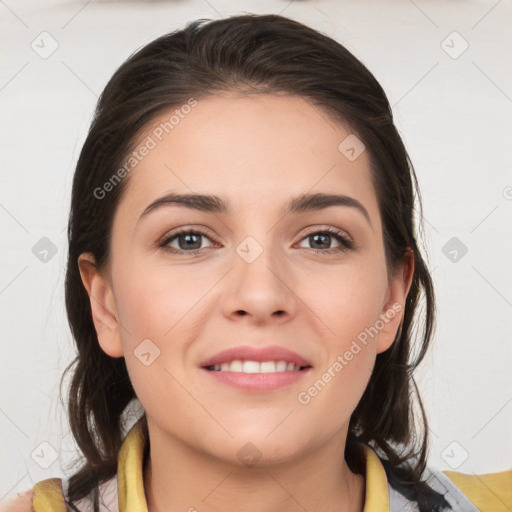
(394, 309)
(103, 307)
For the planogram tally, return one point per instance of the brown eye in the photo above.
(323, 241)
(185, 241)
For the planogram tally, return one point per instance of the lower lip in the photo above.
(258, 381)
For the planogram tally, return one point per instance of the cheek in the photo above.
(153, 301)
(347, 300)
(160, 311)
(347, 303)
(336, 389)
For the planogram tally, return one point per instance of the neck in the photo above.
(178, 477)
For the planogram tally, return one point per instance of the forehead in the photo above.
(250, 148)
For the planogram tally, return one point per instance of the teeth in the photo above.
(235, 366)
(251, 367)
(267, 367)
(256, 367)
(281, 366)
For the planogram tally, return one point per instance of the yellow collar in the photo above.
(131, 483)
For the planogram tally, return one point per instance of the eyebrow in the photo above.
(215, 204)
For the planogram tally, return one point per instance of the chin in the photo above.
(257, 448)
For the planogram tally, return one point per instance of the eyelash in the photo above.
(345, 242)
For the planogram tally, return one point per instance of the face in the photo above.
(256, 273)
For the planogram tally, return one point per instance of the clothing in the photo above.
(125, 492)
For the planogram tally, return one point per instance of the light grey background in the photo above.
(452, 107)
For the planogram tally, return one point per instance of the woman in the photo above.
(243, 261)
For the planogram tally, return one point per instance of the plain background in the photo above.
(445, 68)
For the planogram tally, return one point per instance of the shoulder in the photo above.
(45, 495)
(462, 492)
(21, 503)
(490, 491)
(50, 495)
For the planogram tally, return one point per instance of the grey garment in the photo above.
(440, 483)
(103, 498)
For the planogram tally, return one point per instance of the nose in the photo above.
(262, 290)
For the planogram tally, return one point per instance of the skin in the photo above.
(257, 152)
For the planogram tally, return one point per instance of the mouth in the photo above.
(248, 366)
(257, 369)
(258, 377)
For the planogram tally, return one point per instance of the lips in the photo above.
(247, 353)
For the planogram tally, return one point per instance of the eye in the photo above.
(322, 240)
(191, 241)
(185, 241)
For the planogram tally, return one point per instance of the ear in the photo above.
(394, 307)
(103, 306)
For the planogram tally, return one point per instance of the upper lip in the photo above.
(247, 353)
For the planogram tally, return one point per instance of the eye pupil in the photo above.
(323, 238)
(192, 241)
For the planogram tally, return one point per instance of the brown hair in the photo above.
(261, 54)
